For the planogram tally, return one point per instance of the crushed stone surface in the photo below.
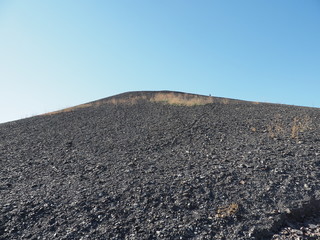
(155, 171)
(308, 229)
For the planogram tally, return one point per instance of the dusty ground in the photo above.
(149, 170)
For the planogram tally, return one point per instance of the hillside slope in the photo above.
(152, 168)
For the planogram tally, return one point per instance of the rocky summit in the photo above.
(161, 165)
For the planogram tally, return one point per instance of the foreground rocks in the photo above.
(308, 229)
(226, 170)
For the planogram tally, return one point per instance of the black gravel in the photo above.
(157, 171)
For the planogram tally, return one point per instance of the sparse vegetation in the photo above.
(167, 98)
(227, 211)
(278, 129)
(253, 129)
(171, 98)
(69, 109)
(300, 125)
(181, 99)
(225, 101)
(129, 101)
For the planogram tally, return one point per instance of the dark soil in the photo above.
(157, 171)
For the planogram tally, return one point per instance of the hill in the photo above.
(160, 165)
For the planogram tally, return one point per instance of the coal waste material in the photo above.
(151, 170)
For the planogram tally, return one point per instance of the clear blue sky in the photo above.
(56, 54)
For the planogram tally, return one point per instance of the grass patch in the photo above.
(171, 98)
(68, 109)
(278, 129)
(300, 125)
(181, 99)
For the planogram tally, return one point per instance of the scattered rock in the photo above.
(155, 171)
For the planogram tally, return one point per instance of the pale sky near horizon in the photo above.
(57, 54)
